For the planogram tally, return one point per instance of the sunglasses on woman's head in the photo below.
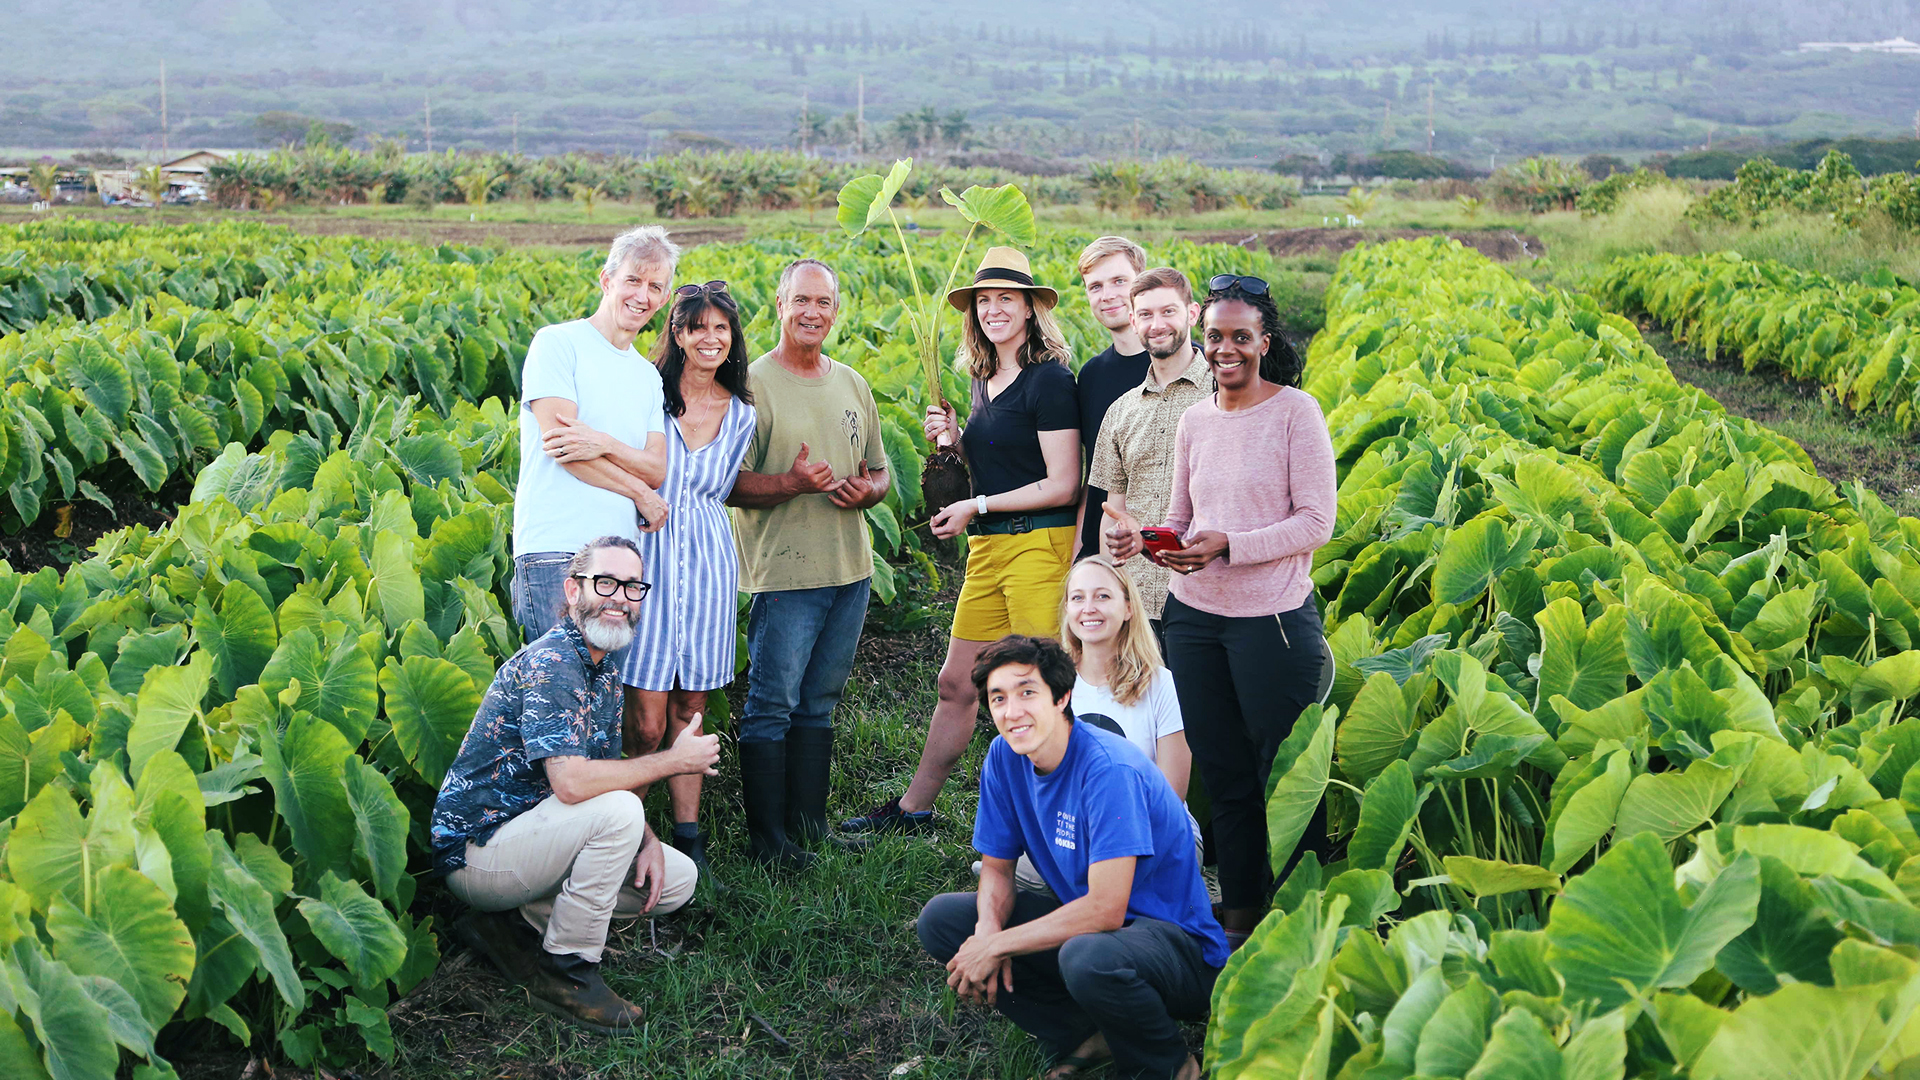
(1252, 286)
(685, 291)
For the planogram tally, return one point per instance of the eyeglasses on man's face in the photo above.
(607, 585)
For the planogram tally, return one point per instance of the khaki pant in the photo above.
(569, 869)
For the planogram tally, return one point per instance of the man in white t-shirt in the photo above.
(592, 428)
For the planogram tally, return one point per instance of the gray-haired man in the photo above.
(538, 812)
(592, 428)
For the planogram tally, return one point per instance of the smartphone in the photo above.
(1155, 540)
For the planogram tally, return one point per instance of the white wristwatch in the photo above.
(980, 504)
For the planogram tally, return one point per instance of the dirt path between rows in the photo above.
(515, 233)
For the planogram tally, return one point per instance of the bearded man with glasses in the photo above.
(537, 826)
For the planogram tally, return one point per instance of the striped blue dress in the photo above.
(686, 631)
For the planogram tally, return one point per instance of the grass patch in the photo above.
(1844, 445)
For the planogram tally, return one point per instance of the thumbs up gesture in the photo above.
(808, 476)
(696, 751)
(1122, 532)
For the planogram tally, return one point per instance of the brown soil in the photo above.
(514, 233)
(1501, 244)
(85, 521)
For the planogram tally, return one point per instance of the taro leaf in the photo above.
(52, 851)
(337, 685)
(1895, 678)
(1520, 1048)
(140, 653)
(131, 937)
(428, 459)
(1264, 1003)
(357, 929)
(243, 479)
(864, 199)
(169, 802)
(1404, 664)
(18, 1059)
(423, 954)
(1792, 936)
(249, 907)
(169, 700)
(1662, 632)
(223, 963)
(240, 636)
(431, 703)
(1453, 1039)
(1492, 757)
(1370, 894)
(1474, 555)
(16, 751)
(75, 1032)
(1585, 663)
(1804, 1032)
(1813, 853)
(1520, 956)
(1598, 1051)
(1300, 771)
(1620, 931)
(1400, 1031)
(1003, 209)
(99, 375)
(396, 583)
(304, 766)
(1375, 728)
(372, 1024)
(380, 825)
(1674, 803)
(1492, 877)
(1387, 813)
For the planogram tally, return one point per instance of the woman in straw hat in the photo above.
(1022, 444)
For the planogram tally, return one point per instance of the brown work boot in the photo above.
(503, 938)
(569, 986)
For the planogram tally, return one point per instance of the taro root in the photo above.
(944, 481)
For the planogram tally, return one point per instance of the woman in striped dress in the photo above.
(683, 644)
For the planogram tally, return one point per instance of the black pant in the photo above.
(1129, 984)
(1242, 683)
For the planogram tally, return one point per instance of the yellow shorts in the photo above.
(1013, 584)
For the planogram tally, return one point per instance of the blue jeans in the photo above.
(800, 645)
(539, 591)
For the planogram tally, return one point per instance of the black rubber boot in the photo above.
(503, 938)
(809, 777)
(763, 787)
(569, 987)
(695, 848)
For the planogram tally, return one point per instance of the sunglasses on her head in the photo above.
(1252, 286)
(685, 291)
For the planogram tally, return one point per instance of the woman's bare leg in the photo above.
(952, 726)
(642, 724)
(680, 707)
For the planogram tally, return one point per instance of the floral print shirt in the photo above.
(548, 700)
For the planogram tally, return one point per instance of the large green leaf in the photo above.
(240, 635)
(864, 199)
(357, 929)
(1302, 765)
(1003, 209)
(431, 703)
(1456, 1035)
(337, 685)
(1400, 1031)
(380, 825)
(1791, 935)
(1662, 632)
(1674, 803)
(1597, 1051)
(248, 906)
(304, 766)
(1895, 678)
(169, 700)
(1620, 929)
(1375, 728)
(1266, 1004)
(169, 802)
(18, 1058)
(75, 1032)
(54, 852)
(1520, 1048)
(1387, 814)
(1474, 555)
(130, 936)
(99, 375)
(1589, 813)
(1492, 877)
(1802, 1032)
(395, 591)
(1585, 663)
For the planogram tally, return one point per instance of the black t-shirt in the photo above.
(1002, 437)
(1102, 380)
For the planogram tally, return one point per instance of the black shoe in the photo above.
(569, 986)
(695, 848)
(503, 938)
(763, 788)
(888, 817)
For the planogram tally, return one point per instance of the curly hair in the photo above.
(671, 359)
(1044, 342)
(1280, 364)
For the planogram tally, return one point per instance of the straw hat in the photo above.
(1003, 268)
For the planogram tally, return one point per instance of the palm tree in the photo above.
(700, 195)
(477, 185)
(1358, 202)
(810, 193)
(44, 178)
(152, 183)
(588, 196)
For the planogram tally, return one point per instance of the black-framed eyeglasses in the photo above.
(1250, 285)
(607, 585)
(690, 289)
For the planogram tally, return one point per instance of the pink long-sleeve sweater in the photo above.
(1264, 476)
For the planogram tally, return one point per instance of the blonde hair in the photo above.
(1044, 341)
(1136, 655)
(1106, 246)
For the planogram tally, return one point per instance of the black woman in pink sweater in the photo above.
(1253, 498)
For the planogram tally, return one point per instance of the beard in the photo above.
(1170, 347)
(607, 635)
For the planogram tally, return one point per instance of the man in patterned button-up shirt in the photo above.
(539, 814)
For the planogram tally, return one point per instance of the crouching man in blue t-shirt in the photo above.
(1131, 944)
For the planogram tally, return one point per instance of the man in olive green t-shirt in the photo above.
(806, 557)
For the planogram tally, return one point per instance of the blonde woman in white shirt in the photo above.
(1122, 684)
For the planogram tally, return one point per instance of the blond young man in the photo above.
(1107, 269)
